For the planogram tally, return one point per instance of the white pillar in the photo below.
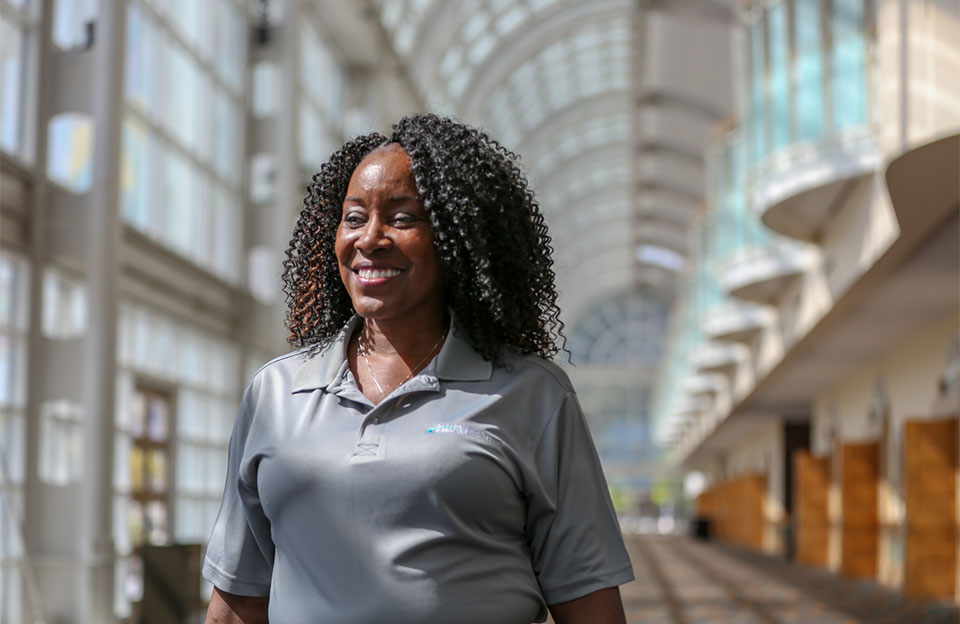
(99, 371)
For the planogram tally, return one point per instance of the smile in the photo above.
(371, 275)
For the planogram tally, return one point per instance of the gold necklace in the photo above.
(362, 352)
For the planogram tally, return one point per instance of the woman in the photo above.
(418, 459)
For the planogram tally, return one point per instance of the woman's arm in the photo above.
(600, 607)
(233, 609)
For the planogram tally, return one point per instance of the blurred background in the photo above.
(754, 206)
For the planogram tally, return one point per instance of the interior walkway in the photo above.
(683, 581)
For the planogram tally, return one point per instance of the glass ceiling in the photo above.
(552, 80)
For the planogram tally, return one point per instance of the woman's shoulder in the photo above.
(533, 369)
(283, 368)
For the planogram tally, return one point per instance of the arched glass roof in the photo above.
(595, 97)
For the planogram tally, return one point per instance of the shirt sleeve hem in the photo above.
(231, 584)
(579, 589)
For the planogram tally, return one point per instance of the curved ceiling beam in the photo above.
(705, 9)
(604, 104)
(661, 148)
(644, 186)
(597, 157)
(664, 99)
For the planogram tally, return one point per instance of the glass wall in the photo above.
(18, 26)
(733, 228)
(320, 83)
(807, 73)
(182, 147)
(14, 323)
(177, 396)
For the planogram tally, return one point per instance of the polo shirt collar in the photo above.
(457, 360)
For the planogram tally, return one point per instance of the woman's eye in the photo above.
(402, 220)
(354, 220)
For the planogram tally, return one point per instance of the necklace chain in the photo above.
(362, 351)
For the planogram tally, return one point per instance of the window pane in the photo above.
(70, 157)
(757, 99)
(808, 70)
(779, 76)
(71, 20)
(226, 139)
(12, 371)
(179, 195)
(231, 39)
(12, 445)
(13, 300)
(264, 96)
(64, 306)
(136, 181)
(849, 65)
(156, 471)
(11, 56)
(140, 49)
(181, 103)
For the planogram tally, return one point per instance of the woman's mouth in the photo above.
(371, 276)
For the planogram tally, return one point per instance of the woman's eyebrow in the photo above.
(404, 198)
(352, 199)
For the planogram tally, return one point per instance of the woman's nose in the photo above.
(373, 236)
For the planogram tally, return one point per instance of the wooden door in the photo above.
(860, 521)
(930, 483)
(812, 486)
(755, 493)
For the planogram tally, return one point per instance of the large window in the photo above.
(177, 396)
(14, 323)
(807, 73)
(321, 90)
(18, 26)
(182, 147)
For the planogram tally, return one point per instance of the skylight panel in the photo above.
(474, 26)
(404, 37)
(510, 20)
(390, 14)
(661, 257)
(482, 47)
(451, 60)
(458, 83)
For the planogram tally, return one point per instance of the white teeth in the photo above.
(378, 273)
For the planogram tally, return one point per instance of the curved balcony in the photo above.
(797, 192)
(704, 385)
(762, 273)
(808, 111)
(718, 357)
(738, 322)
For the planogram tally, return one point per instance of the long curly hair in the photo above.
(489, 233)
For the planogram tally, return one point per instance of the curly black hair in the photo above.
(487, 227)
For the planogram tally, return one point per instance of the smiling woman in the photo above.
(418, 459)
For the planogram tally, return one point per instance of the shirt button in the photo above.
(375, 421)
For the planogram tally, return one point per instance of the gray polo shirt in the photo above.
(473, 493)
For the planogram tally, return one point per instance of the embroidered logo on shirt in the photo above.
(464, 430)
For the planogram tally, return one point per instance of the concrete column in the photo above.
(99, 371)
(39, 198)
(289, 189)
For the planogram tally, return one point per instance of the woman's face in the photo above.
(384, 245)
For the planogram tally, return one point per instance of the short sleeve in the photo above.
(572, 529)
(239, 556)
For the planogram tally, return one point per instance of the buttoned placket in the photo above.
(369, 445)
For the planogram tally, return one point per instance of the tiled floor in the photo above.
(683, 581)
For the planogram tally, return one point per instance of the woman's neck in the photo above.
(408, 338)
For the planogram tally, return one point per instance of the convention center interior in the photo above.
(754, 209)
